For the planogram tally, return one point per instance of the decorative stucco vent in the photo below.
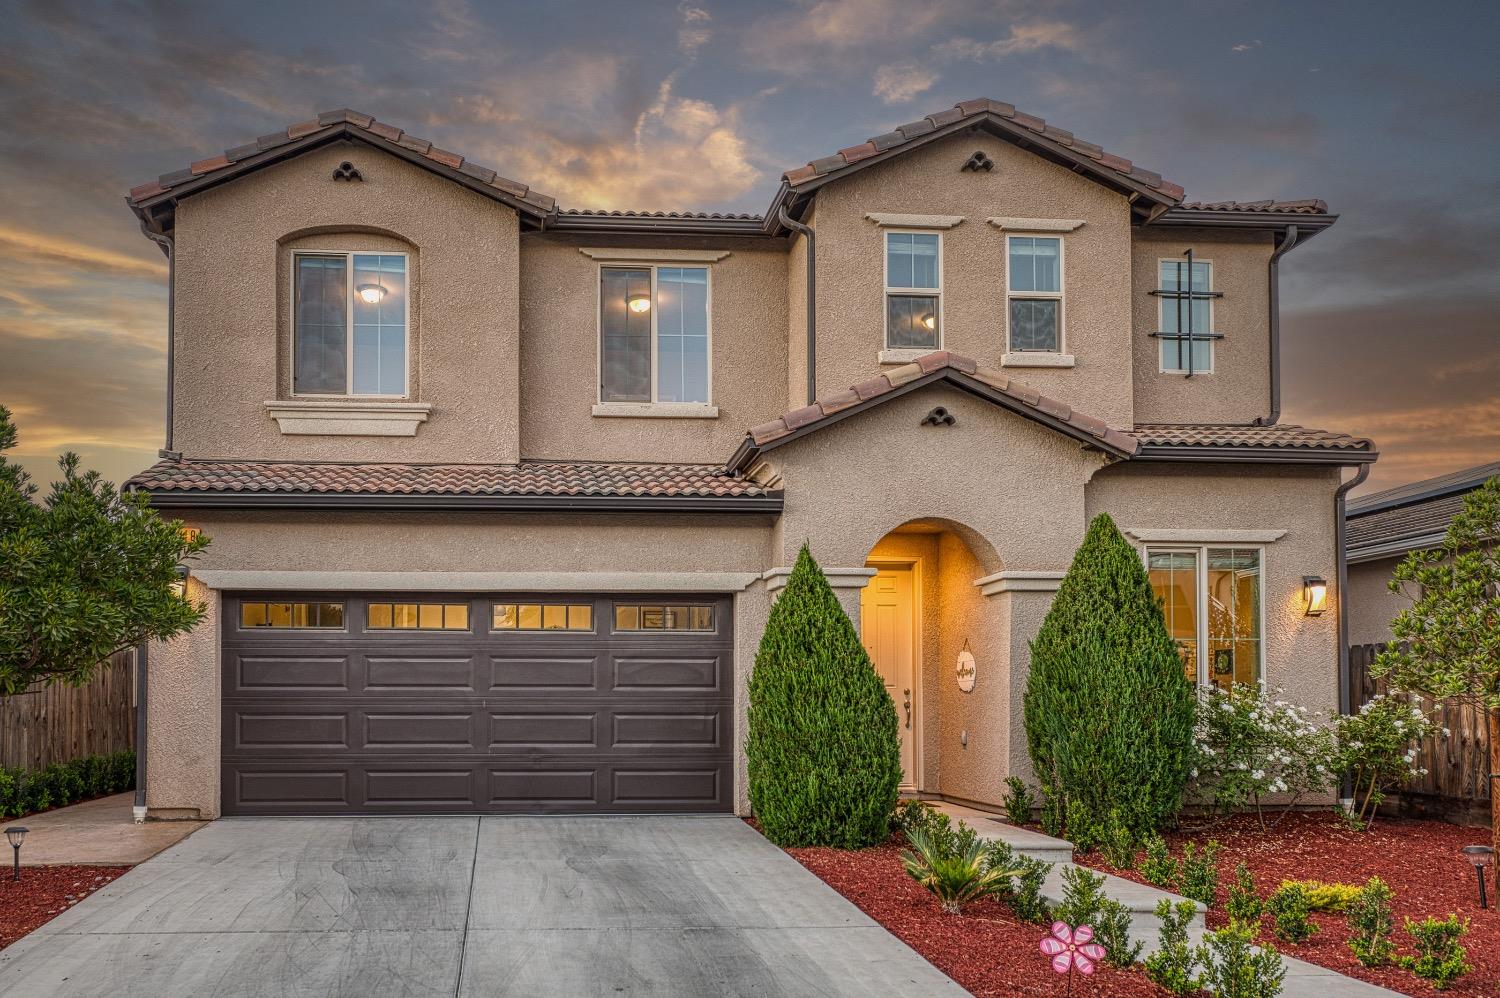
(347, 171)
(939, 416)
(979, 161)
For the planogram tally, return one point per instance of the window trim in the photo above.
(654, 407)
(1161, 305)
(937, 293)
(1059, 296)
(1201, 582)
(348, 256)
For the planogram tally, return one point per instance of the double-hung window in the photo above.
(349, 322)
(1212, 601)
(1034, 282)
(654, 334)
(1175, 314)
(913, 290)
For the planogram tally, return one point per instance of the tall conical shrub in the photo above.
(1109, 712)
(823, 747)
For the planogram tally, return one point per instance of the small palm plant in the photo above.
(956, 875)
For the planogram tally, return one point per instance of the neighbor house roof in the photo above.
(1411, 516)
(542, 485)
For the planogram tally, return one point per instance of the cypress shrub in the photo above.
(1109, 712)
(823, 747)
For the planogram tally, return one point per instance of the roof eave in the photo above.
(1308, 225)
(202, 499)
(1240, 454)
(648, 225)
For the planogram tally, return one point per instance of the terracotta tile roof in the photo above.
(1309, 206)
(956, 366)
(559, 479)
(1038, 131)
(1284, 435)
(602, 213)
(347, 120)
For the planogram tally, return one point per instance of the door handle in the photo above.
(907, 706)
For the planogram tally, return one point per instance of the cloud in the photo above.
(40, 246)
(1245, 46)
(1023, 37)
(900, 83)
(694, 32)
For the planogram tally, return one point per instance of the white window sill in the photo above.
(657, 410)
(348, 418)
(905, 355)
(1037, 360)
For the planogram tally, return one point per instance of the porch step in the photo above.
(1303, 979)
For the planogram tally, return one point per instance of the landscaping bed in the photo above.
(986, 949)
(1419, 860)
(43, 893)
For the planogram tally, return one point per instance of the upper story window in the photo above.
(349, 317)
(1211, 598)
(1185, 304)
(654, 334)
(1034, 283)
(913, 290)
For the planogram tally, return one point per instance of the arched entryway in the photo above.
(918, 613)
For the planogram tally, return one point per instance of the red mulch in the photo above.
(43, 893)
(986, 949)
(1419, 859)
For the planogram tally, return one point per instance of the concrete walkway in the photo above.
(468, 906)
(98, 832)
(1303, 979)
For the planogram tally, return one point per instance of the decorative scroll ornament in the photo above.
(966, 669)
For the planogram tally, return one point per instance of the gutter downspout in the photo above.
(1346, 691)
(141, 666)
(812, 298)
(1274, 283)
(168, 247)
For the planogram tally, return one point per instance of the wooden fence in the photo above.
(60, 723)
(1457, 783)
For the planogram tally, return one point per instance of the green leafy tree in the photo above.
(84, 573)
(823, 748)
(1109, 712)
(1447, 643)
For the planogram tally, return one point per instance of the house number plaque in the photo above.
(966, 671)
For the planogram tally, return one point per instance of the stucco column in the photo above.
(182, 718)
(847, 585)
(752, 607)
(1022, 599)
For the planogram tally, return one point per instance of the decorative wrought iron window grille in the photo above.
(1183, 297)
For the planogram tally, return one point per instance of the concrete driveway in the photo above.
(572, 907)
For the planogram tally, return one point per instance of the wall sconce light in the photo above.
(1480, 857)
(1315, 593)
(178, 585)
(371, 294)
(928, 321)
(15, 835)
(638, 303)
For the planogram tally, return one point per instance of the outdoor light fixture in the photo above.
(1481, 857)
(638, 303)
(179, 584)
(928, 321)
(15, 835)
(1315, 592)
(371, 294)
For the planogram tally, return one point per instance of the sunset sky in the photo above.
(1387, 111)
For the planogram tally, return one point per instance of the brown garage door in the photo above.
(428, 704)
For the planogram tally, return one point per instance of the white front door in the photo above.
(887, 613)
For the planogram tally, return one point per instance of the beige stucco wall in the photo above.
(1239, 388)
(796, 300)
(1301, 652)
(232, 307)
(560, 347)
(1372, 606)
(1096, 281)
(183, 717)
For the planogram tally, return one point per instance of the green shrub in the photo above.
(1440, 960)
(1018, 801)
(1082, 896)
(1232, 968)
(122, 770)
(1109, 713)
(947, 837)
(1112, 930)
(1174, 965)
(1377, 749)
(954, 877)
(1244, 903)
(1119, 843)
(909, 814)
(10, 805)
(1159, 868)
(1288, 905)
(1371, 923)
(823, 748)
(1023, 891)
(1200, 872)
(1323, 896)
(24, 792)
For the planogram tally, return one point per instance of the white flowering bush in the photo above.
(1253, 745)
(1377, 748)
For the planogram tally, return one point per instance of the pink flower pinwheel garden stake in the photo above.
(1070, 948)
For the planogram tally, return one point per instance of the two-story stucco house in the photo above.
(501, 493)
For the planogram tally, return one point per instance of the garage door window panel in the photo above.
(658, 617)
(291, 615)
(542, 617)
(418, 617)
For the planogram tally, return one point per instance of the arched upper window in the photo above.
(350, 323)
